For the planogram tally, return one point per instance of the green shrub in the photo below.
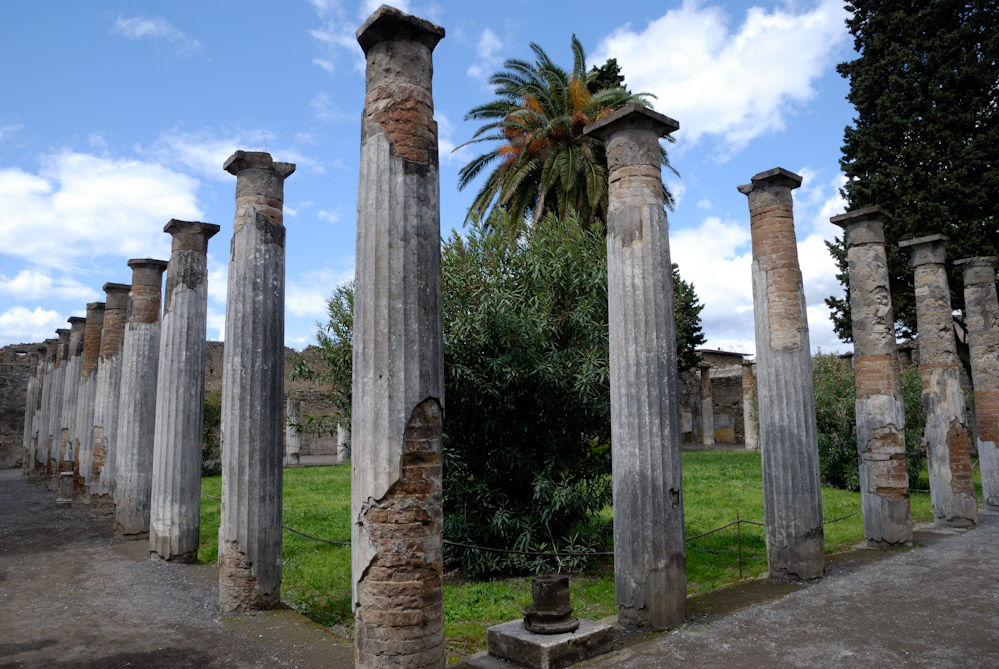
(211, 440)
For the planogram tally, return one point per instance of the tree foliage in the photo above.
(923, 144)
(526, 387)
(541, 162)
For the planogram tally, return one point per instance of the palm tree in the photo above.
(542, 162)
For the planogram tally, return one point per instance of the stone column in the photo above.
(748, 411)
(31, 466)
(106, 395)
(84, 421)
(70, 395)
(707, 406)
(27, 454)
(948, 439)
(342, 444)
(55, 409)
(175, 502)
(398, 386)
(982, 318)
(47, 365)
(137, 401)
(792, 500)
(649, 552)
(253, 388)
(292, 436)
(884, 479)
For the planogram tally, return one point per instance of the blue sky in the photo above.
(117, 117)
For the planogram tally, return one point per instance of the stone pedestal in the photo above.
(649, 549)
(982, 318)
(83, 424)
(64, 498)
(749, 417)
(175, 503)
(253, 388)
(884, 480)
(707, 407)
(137, 402)
(511, 641)
(948, 440)
(792, 500)
(292, 436)
(106, 395)
(398, 386)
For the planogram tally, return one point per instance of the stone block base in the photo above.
(547, 651)
(65, 498)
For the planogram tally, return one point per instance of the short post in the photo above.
(982, 318)
(649, 550)
(948, 440)
(106, 395)
(750, 435)
(792, 500)
(253, 388)
(84, 431)
(292, 435)
(707, 406)
(398, 385)
(137, 401)
(175, 501)
(884, 479)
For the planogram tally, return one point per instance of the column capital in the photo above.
(926, 250)
(630, 117)
(190, 235)
(76, 323)
(147, 271)
(259, 160)
(389, 23)
(862, 226)
(95, 306)
(980, 269)
(777, 177)
(117, 295)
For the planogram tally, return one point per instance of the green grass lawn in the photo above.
(717, 485)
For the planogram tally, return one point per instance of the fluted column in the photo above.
(884, 479)
(398, 388)
(175, 504)
(106, 395)
(707, 406)
(137, 401)
(792, 500)
(982, 318)
(292, 436)
(83, 432)
(31, 466)
(749, 419)
(649, 551)
(253, 388)
(30, 397)
(47, 378)
(55, 409)
(70, 396)
(948, 439)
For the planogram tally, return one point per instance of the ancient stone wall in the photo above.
(15, 369)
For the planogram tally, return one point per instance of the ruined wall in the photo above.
(14, 372)
(726, 394)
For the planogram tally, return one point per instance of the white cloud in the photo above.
(80, 207)
(336, 36)
(330, 216)
(306, 295)
(19, 325)
(324, 64)
(8, 130)
(326, 110)
(155, 27)
(368, 6)
(704, 204)
(488, 53)
(730, 84)
(203, 152)
(446, 145)
(30, 285)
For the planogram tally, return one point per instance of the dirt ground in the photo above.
(71, 598)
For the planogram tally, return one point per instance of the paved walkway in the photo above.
(71, 598)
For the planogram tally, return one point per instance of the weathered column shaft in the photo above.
(707, 407)
(84, 422)
(55, 410)
(750, 435)
(342, 443)
(948, 440)
(175, 504)
(36, 413)
(292, 436)
(982, 318)
(106, 395)
(884, 479)
(792, 499)
(137, 401)
(27, 453)
(253, 388)
(649, 549)
(398, 386)
(70, 395)
(44, 410)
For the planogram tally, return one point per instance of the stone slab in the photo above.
(547, 651)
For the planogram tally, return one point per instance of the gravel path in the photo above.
(71, 598)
